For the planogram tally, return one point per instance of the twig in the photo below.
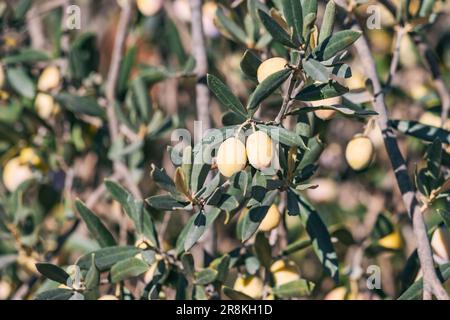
(286, 99)
(431, 281)
(294, 87)
(113, 73)
(111, 83)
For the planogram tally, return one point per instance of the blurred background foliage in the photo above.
(55, 145)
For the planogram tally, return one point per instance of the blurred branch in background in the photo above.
(202, 94)
(111, 83)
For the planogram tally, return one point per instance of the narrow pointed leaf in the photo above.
(275, 30)
(316, 70)
(320, 237)
(105, 258)
(95, 226)
(294, 289)
(328, 21)
(55, 294)
(283, 136)
(128, 268)
(267, 87)
(421, 131)
(308, 7)
(250, 63)
(255, 215)
(53, 272)
(165, 202)
(322, 91)
(226, 97)
(293, 13)
(233, 30)
(335, 43)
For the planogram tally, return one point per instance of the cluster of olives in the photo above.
(232, 155)
(50, 79)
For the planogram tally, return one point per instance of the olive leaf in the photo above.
(283, 136)
(226, 97)
(421, 131)
(95, 226)
(105, 258)
(322, 91)
(266, 88)
(316, 70)
(316, 230)
(294, 289)
(255, 215)
(53, 272)
(293, 13)
(335, 43)
(131, 267)
(250, 63)
(275, 30)
(233, 30)
(326, 28)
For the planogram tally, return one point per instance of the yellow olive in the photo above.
(356, 81)
(326, 114)
(29, 156)
(49, 79)
(391, 241)
(271, 220)
(440, 242)
(14, 173)
(259, 150)
(149, 7)
(252, 286)
(143, 243)
(231, 157)
(108, 297)
(325, 192)
(359, 153)
(5, 289)
(45, 105)
(269, 67)
(284, 272)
